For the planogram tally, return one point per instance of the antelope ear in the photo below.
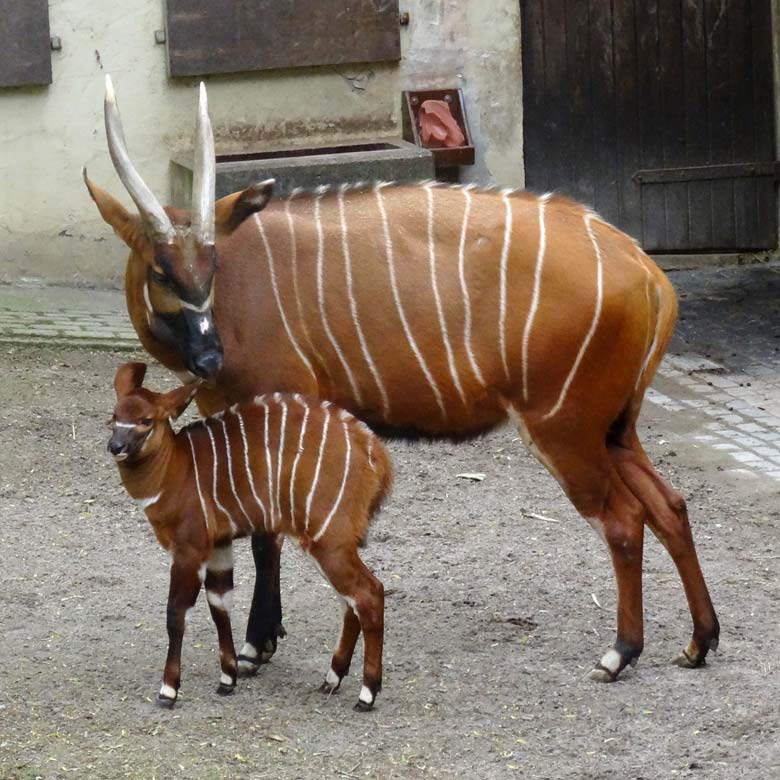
(126, 225)
(176, 401)
(129, 377)
(233, 209)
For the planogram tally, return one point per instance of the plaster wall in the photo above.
(776, 75)
(49, 227)
(474, 45)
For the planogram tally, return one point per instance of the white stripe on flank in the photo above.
(197, 481)
(651, 351)
(650, 329)
(399, 307)
(297, 458)
(353, 306)
(279, 458)
(321, 299)
(230, 475)
(434, 284)
(337, 504)
(250, 479)
(279, 306)
(268, 464)
(502, 293)
(317, 469)
(233, 526)
(593, 325)
(465, 291)
(535, 297)
(296, 289)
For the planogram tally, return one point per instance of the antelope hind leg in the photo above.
(667, 517)
(364, 596)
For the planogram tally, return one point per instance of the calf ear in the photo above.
(129, 377)
(126, 225)
(233, 209)
(176, 401)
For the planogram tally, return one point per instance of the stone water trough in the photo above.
(390, 159)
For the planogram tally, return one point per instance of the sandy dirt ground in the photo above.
(494, 617)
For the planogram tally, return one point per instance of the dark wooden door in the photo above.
(658, 113)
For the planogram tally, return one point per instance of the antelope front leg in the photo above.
(219, 593)
(265, 615)
(183, 593)
(342, 655)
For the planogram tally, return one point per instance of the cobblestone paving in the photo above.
(724, 362)
(64, 316)
(63, 326)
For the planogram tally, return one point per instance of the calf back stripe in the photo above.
(321, 302)
(197, 481)
(317, 469)
(295, 462)
(230, 475)
(280, 307)
(399, 307)
(217, 502)
(337, 503)
(250, 479)
(353, 307)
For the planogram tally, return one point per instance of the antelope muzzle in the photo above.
(200, 343)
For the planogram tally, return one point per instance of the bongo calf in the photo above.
(280, 464)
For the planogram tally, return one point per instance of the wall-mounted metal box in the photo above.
(228, 36)
(25, 43)
(445, 157)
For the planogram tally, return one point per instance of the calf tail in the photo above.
(379, 461)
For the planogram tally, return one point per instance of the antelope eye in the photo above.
(147, 421)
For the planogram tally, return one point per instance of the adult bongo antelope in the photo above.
(440, 309)
(278, 464)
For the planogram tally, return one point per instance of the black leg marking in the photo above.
(265, 616)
